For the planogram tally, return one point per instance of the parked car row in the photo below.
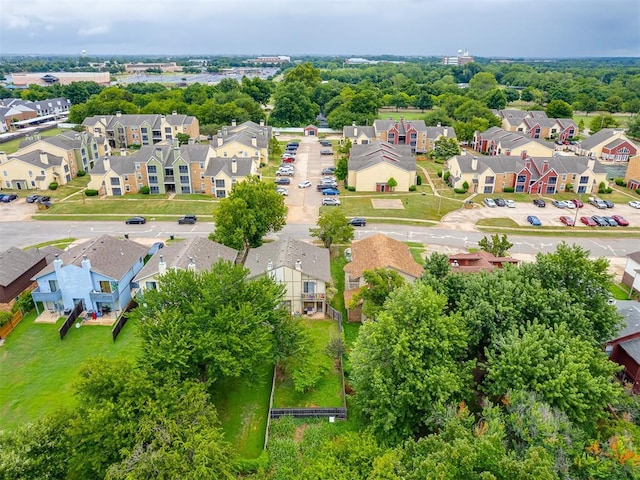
(38, 198)
(499, 202)
(605, 221)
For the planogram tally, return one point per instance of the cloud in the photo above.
(14, 22)
(97, 30)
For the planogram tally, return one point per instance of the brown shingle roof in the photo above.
(380, 251)
(479, 261)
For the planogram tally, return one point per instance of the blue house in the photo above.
(97, 273)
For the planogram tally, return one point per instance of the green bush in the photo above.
(637, 191)
(145, 190)
(351, 189)
(135, 146)
(446, 176)
(5, 317)
(619, 182)
(465, 185)
(412, 188)
(508, 190)
(24, 304)
(53, 185)
(568, 188)
(460, 190)
(91, 192)
(439, 161)
(602, 188)
(81, 173)
(439, 173)
(419, 180)
(252, 465)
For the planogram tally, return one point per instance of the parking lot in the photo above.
(17, 211)
(549, 215)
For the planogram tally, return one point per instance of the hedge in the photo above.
(508, 190)
(91, 192)
(412, 188)
(53, 185)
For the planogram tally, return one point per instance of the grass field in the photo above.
(619, 291)
(243, 408)
(328, 391)
(37, 369)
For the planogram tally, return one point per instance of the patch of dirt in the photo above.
(388, 203)
(297, 437)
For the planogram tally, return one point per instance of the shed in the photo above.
(310, 131)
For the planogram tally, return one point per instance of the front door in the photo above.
(382, 187)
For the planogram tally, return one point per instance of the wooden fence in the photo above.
(337, 412)
(8, 327)
(335, 314)
(122, 320)
(66, 326)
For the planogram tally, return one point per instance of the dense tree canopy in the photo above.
(333, 227)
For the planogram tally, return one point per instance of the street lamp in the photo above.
(575, 220)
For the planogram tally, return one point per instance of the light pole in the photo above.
(575, 220)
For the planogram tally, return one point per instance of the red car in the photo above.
(288, 160)
(588, 221)
(568, 221)
(620, 220)
(577, 203)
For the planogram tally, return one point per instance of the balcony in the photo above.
(104, 297)
(169, 179)
(40, 296)
(313, 296)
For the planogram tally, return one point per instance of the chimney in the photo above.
(44, 158)
(162, 266)
(219, 140)
(439, 124)
(233, 122)
(86, 263)
(57, 263)
(269, 265)
(158, 153)
(445, 132)
(3, 157)
(262, 122)
(523, 155)
(225, 131)
(254, 141)
(107, 164)
(192, 265)
(355, 130)
(591, 163)
(118, 114)
(545, 165)
(123, 152)
(234, 166)
(298, 265)
(103, 120)
(474, 163)
(174, 112)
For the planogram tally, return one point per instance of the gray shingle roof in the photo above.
(435, 132)
(598, 137)
(498, 163)
(253, 128)
(33, 158)
(568, 164)
(348, 131)
(632, 347)
(364, 156)
(15, 262)
(513, 164)
(244, 137)
(219, 164)
(630, 311)
(109, 256)
(203, 251)
(286, 252)
(385, 125)
(635, 256)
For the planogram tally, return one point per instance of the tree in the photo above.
(379, 284)
(342, 168)
(512, 95)
(437, 116)
(252, 209)
(496, 99)
(496, 245)
(210, 325)
(445, 147)
(293, 105)
(559, 109)
(424, 101)
(305, 73)
(275, 149)
(407, 362)
(183, 138)
(566, 370)
(483, 83)
(634, 127)
(437, 265)
(599, 122)
(333, 227)
(392, 183)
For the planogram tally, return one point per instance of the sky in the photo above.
(486, 28)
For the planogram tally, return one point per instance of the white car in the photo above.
(305, 184)
(489, 202)
(634, 204)
(284, 172)
(510, 203)
(282, 191)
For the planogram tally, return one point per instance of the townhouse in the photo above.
(371, 166)
(78, 147)
(123, 131)
(15, 112)
(536, 124)
(526, 174)
(497, 141)
(247, 140)
(35, 170)
(609, 144)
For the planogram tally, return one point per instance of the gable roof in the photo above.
(365, 156)
(632, 347)
(402, 125)
(349, 131)
(478, 261)
(14, 262)
(497, 163)
(244, 166)
(635, 256)
(109, 256)
(435, 132)
(600, 137)
(203, 251)
(380, 251)
(285, 252)
(33, 158)
(513, 164)
(630, 312)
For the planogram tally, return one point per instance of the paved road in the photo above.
(22, 234)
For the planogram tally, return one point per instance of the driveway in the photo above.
(304, 203)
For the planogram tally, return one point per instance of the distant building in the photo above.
(62, 78)
(270, 60)
(170, 67)
(462, 58)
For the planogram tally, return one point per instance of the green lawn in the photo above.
(619, 291)
(243, 408)
(390, 112)
(328, 391)
(559, 231)
(37, 369)
(497, 222)
(13, 145)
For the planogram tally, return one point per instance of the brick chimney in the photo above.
(545, 165)
(523, 155)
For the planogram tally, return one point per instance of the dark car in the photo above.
(568, 221)
(610, 221)
(601, 222)
(10, 197)
(538, 202)
(325, 143)
(357, 222)
(588, 221)
(32, 198)
(43, 198)
(609, 203)
(187, 220)
(328, 170)
(283, 181)
(326, 151)
(620, 220)
(500, 202)
(533, 220)
(330, 191)
(136, 221)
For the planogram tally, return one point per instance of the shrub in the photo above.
(446, 176)
(602, 188)
(419, 180)
(637, 191)
(351, 189)
(619, 182)
(135, 146)
(24, 303)
(465, 185)
(53, 185)
(5, 317)
(145, 190)
(81, 173)
(568, 188)
(460, 190)
(412, 188)
(439, 173)
(439, 161)
(508, 190)
(91, 192)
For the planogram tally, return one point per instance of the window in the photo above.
(126, 178)
(553, 130)
(137, 166)
(519, 188)
(551, 189)
(201, 164)
(152, 285)
(135, 135)
(183, 169)
(144, 130)
(5, 173)
(309, 287)
(134, 129)
(115, 181)
(391, 137)
(553, 180)
(66, 168)
(584, 179)
(522, 178)
(167, 130)
(152, 169)
(184, 178)
(488, 189)
(155, 189)
(41, 172)
(489, 180)
(413, 136)
(185, 189)
(564, 177)
(139, 176)
(30, 174)
(153, 179)
(221, 193)
(53, 285)
(33, 184)
(168, 172)
(127, 188)
(220, 183)
(202, 187)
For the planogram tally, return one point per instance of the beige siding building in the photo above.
(371, 166)
(34, 170)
